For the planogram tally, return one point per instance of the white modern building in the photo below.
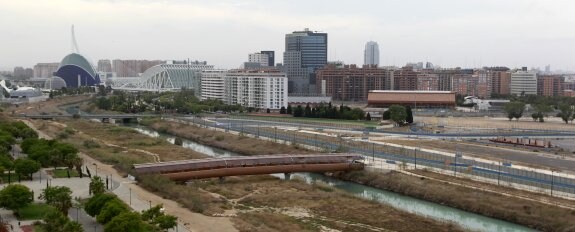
(213, 84)
(260, 58)
(371, 53)
(263, 89)
(524, 82)
(165, 77)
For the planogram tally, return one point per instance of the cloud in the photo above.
(448, 32)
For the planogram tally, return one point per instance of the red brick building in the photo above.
(405, 79)
(350, 83)
(550, 85)
(500, 82)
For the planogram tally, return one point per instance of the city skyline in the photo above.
(469, 35)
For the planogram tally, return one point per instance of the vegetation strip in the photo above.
(535, 215)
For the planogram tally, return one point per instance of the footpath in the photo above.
(140, 199)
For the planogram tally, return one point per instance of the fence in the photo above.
(502, 173)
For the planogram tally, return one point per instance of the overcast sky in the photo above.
(449, 33)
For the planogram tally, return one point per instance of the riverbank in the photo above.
(240, 144)
(520, 210)
(533, 214)
(253, 203)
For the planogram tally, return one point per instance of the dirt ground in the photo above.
(469, 123)
(252, 203)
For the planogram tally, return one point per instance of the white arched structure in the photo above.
(164, 77)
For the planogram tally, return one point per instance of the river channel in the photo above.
(467, 220)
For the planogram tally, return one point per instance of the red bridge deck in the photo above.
(252, 165)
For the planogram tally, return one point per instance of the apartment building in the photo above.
(351, 83)
(263, 89)
(550, 85)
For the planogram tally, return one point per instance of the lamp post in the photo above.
(552, 181)
(96, 165)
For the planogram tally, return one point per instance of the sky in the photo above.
(449, 33)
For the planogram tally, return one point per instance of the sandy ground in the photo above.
(551, 123)
(189, 220)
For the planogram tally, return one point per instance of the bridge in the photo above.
(184, 170)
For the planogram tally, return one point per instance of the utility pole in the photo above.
(415, 157)
(499, 174)
(552, 182)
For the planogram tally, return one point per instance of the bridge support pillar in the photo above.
(222, 179)
(287, 176)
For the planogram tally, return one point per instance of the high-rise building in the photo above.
(104, 66)
(550, 85)
(261, 58)
(477, 84)
(262, 89)
(305, 51)
(371, 53)
(405, 79)
(523, 82)
(500, 80)
(45, 69)
(271, 57)
(427, 82)
(213, 84)
(350, 83)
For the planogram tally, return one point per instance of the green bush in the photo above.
(97, 202)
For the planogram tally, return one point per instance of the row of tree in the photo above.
(326, 111)
(183, 101)
(52, 153)
(10, 133)
(515, 110)
(116, 216)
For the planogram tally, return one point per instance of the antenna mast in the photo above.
(74, 43)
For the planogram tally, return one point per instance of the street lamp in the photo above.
(95, 164)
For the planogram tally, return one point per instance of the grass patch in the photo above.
(63, 173)
(34, 211)
(533, 214)
(314, 120)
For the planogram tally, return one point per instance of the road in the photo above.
(431, 159)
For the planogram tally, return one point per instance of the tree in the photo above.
(368, 117)
(26, 167)
(541, 111)
(56, 221)
(397, 114)
(15, 196)
(409, 116)
(514, 109)
(111, 209)
(268, 110)
(126, 222)
(566, 112)
(298, 112)
(156, 217)
(386, 115)
(94, 206)
(289, 109)
(97, 186)
(60, 197)
(307, 111)
(283, 110)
